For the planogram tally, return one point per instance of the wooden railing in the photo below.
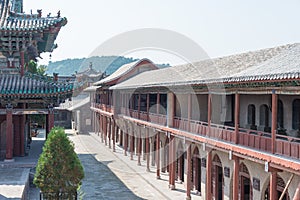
(285, 145)
(103, 107)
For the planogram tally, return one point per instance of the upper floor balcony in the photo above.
(258, 132)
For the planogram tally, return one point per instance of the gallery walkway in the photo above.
(111, 175)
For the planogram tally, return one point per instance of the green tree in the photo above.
(41, 70)
(32, 67)
(59, 170)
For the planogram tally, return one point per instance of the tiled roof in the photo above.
(124, 69)
(14, 85)
(24, 22)
(230, 68)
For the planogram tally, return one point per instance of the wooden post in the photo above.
(158, 155)
(139, 147)
(189, 111)
(236, 118)
(273, 185)
(147, 150)
(121, 137)
(172, 161)
(132, 146)
(170, 109)
(125, 143)
(208, 175)
(148, 106)
(236, 166)
(297, 193)
(22, 129)
(139, 106)
(102, 127)
(274, 120)
(109, 132)
(105, 129)
(189, 173)
(9, 133)
(157, 103)
(209, 113)
(114, 127)
(51, 118)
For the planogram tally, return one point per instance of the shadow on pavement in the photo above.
(101, 183)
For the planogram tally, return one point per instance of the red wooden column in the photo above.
(102, 128)
(148, 106)
(189, 111)
(9, 133)
(109, 132)
(132, 145)
(139, 147)
(121, 137)
(158, 155)
(114, 127)
(189, 172)
(236, 168)
(157, 103)
(274, 120)
(170, 109)
(208, 175)
(297, 193)
(125, 143)
(22, 130)
(209, 113)
(50, 118)
(172, 160)
(105, 129)
(236, 118)
(139, 106)
(273, 185)
(147, 150)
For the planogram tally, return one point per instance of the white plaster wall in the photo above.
(181, 105)
(294, 184)
(257, 170)
(202, 104)
(256, 100)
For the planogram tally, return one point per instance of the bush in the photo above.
(59, 170)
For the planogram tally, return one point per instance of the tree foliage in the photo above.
(59, 169)
(33, 68)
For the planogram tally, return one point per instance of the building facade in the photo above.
(226, 128)
(23, 37)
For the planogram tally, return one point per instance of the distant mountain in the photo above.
(108, 64)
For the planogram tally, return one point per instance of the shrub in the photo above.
(59, 170)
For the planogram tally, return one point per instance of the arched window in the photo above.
(280, 114)
(296, 114)
(264, 115)
(251, 114)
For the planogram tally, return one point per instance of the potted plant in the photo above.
(59, 171)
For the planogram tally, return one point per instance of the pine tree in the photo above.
(59, 170)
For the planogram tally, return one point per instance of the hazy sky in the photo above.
(219, 27)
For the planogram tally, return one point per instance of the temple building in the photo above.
(23, 37)
(225, 128)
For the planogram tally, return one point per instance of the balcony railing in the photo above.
(259, 140)
(103, 107)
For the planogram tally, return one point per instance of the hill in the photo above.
(106, 64)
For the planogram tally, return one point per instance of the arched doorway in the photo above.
(245, 183)
(251, 116)
(264, 118)
(217, 178)
(196, 172)
(280, 188)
